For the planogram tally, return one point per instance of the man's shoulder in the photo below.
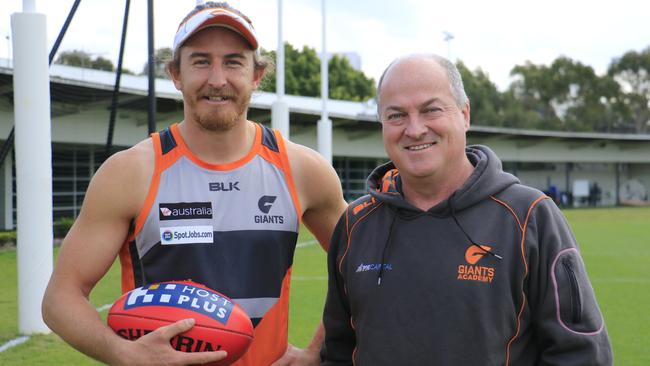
(135, 164)
(140, 154)
(520, 198)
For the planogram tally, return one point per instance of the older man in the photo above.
(449, 260)
(251, 188)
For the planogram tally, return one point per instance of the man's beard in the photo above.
(219, 120)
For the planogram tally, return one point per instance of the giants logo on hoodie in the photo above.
(473, 272)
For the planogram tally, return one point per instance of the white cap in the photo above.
(215, 17)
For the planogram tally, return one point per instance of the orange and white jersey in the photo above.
(231, 227)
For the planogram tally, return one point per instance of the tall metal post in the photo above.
(280, 108)
(33, 147)
(324, 128)
(151, 121)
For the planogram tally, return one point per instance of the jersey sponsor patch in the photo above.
(186, 235)
(184, 211)
(187, 297)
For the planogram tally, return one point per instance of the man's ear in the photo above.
(258, 75)
(175, 73)
(466, 114)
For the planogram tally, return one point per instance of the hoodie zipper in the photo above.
(574, 291)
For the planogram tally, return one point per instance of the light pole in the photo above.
(8, 50)
(324, 126)
(448, 37)
(280, 108)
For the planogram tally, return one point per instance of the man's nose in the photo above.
(415, 127)
(217, 77)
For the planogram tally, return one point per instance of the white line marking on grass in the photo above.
(13, 343)
(306, 243)
(104, 307)
(22, 339)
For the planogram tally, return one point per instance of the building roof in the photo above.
(337, 109)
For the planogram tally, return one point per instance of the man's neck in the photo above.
(218, 147)
(426, 192)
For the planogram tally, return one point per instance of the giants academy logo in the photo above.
(208, 303)
(473, 272)
(185, 211)
(264, 204)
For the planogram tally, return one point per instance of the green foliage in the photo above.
(83, 59)
(62, 226)
(101, 63)
(7, 238)
(74, 58)
(487, 103)
(551, 90)
(161, 56)
(566, 95)
(302, 76)
(632, 70)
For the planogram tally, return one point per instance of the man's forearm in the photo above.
(317, 340)
(75, 320)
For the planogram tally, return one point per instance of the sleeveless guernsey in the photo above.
(231, 227)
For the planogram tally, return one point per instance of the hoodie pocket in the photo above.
(577, 308)
(573, 308)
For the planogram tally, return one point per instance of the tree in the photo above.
(487, 103)
(161, 56)
(632, 71)
(83, 59)
(74, 58)
(302, 76)
(101, 63)
(566, 95)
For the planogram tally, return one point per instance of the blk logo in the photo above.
(265, 203)
(223, 187)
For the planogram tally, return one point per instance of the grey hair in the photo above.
(453, 75)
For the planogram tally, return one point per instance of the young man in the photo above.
(237, 186)
(449, 260)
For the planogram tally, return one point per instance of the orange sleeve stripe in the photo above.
(523, 294)
(128, 280)
(281, 160)
(153, 188)
(347, 248)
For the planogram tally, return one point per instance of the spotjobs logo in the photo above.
(186, 235)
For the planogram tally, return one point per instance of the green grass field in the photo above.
(614, 243)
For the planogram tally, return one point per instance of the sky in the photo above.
(491, 35)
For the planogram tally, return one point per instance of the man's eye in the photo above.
(233, 63)
(201, 62)
(432, 110)
(394, 116)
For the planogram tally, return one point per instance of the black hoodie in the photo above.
(490, 276)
